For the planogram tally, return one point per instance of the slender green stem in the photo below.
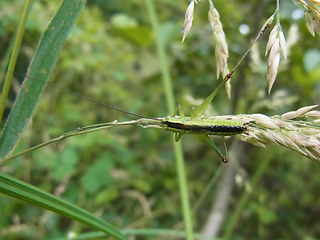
(4, 63)
(163, 59)
(181, 172)
(278, 11)
(14, 56)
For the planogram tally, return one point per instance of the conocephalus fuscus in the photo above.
(196, 124)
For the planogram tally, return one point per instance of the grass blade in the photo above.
(13, 187)
(41, 66)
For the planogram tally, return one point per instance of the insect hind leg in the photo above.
(207, 140)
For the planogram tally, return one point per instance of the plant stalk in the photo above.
(181, 170)
(13, 58)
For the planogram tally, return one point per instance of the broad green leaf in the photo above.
(41, 67)
(13, 187)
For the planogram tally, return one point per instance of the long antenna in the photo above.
(97, 101)
(87, 98)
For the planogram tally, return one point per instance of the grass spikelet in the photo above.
(312, 15)
(298, 113)
(275, 45)
(221, 46)
(188, 18)
(297, 130)
(219, 38)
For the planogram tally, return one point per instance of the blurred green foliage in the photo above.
(127, 175)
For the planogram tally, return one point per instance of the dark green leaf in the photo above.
(18, 189)
(41, 67)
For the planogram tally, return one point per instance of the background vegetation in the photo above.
(127, 176)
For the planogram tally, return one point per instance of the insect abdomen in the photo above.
(224, 130)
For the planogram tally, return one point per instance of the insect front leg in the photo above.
(179, 110)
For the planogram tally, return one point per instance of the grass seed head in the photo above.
(298, 130)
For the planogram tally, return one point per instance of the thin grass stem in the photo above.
(14, 56)
(181, 172)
